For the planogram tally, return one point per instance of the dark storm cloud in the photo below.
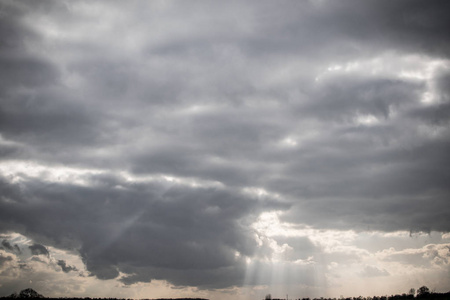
(303, 99)
(175, 230)
(8, 247)
(20, 68)
(37, 249)
(341, 31)
(45, 121)
(66, 268)
(204, 279)
(344, 97)
(9, 151)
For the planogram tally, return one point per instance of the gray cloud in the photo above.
(66, 268)
(37, 249)
(428, 255)
(175, 230)
(370, 271)
(306, 100)
(301, 248)
(4, 259)
(8, 247)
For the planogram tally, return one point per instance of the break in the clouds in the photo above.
(233, 147)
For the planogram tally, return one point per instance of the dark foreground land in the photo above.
(88, 298)
(422, 294)
(30, 294)
(427, 296)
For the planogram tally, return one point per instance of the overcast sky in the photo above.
(224, 149)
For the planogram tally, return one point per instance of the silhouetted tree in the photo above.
(423, 291)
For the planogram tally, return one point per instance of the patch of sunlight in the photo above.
(367, 120)
(268, 224)
(288, 142)
(19, 171)
(259, 192)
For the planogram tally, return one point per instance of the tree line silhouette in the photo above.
(30, 294)
(423, 293)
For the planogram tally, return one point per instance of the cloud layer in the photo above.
(149, 138)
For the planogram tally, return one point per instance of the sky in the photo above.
(154, 149)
